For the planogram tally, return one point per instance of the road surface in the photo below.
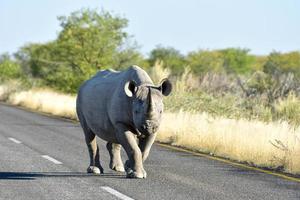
(44, 157)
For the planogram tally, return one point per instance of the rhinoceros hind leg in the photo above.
(93, 148)
(115, 157)
(90, 139)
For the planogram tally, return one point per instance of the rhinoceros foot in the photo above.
(130, 173)
(135, 175)
(94, 170)
(117, 167)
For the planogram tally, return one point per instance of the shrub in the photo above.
(9, 68)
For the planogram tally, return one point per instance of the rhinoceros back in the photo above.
(102, 102)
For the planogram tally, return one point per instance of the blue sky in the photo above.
(187, 25)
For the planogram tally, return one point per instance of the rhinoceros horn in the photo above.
(150, 105)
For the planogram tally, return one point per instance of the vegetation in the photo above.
(228, 82)
(169, 57)
(89, 41)
(273, 145)
(9, 69)
(218, 94)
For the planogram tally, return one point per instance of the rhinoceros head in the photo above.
(147, 104)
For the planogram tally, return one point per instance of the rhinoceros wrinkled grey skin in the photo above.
(123, 108)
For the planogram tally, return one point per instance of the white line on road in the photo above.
(14, 140)
(52, 159)
(116, 193)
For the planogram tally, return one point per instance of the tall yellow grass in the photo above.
(158, 72)
(273, 145)
(47, 101)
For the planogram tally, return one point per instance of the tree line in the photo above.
(91, 40)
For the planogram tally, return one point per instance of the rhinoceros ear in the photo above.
(130, 88)
(165, 87)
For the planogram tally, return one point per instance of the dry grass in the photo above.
(289, 109)
(45, 100)
(9, 88)
(157, 72)
(186, 82)
(273, 145)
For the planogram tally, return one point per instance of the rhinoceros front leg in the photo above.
(134, 164)
(145, 145)
(115, 156)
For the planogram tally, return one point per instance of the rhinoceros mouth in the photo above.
(147, 129)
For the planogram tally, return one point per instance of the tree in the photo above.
(89, 41)
(203, 61)
(237, 60)
(8, 67)
(171, 58)
(278, 78)
(36, 59)
(231, 60)
(128, 55)
(283, 63)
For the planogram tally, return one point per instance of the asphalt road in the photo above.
(44, 157)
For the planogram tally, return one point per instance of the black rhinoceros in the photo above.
(123, 108)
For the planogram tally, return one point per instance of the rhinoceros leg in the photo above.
(95, 166)
(90, 139)
(145, 145)
(115, 157)
(134, 165)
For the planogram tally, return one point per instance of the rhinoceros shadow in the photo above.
(36, 175)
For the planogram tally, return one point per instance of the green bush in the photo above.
(9, 69)
(170, 58)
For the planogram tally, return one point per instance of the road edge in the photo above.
(283, 175)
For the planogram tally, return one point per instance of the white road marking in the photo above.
(52, 159)
(116, 193)
(14, 140)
